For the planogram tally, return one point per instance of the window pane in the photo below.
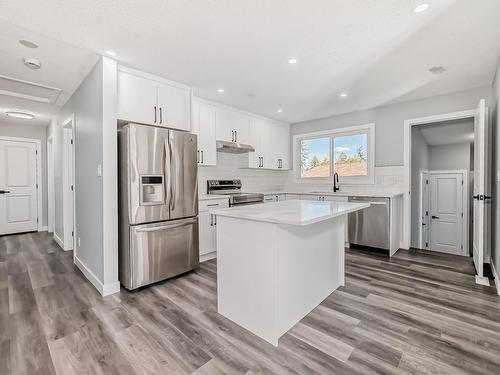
(315, 157)
(351, 155)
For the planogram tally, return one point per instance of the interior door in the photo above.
(424, 211)
(18, 187)
(446, 212)
(480, 188)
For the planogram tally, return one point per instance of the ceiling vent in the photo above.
(32, 63)
(28, 90)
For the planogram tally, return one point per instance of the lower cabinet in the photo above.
(208, 225)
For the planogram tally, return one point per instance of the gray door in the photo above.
(183, 174)
(162, 250)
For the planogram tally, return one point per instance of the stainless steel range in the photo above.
(233, 189)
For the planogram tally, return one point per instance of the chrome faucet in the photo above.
(336, 186)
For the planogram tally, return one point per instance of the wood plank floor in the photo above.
(416, 313)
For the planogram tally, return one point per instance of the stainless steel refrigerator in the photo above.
(158, 204)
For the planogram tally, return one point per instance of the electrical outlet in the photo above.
(79, 242)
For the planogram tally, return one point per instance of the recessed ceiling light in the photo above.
(23, 115)
(32, 63)
(110, 53)
(28, 43)
(221, 90)
(421, 8)
(292, 60)
(437, 69)
(344, 95)
(279, 110)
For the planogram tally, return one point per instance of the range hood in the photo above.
(234, 148)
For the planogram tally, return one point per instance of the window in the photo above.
(349, 152)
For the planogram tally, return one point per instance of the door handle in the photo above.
(4, 192)
(434, 217)
(202, 157)
(475, 196)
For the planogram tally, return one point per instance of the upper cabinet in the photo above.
(271, 141)
(147, 99)
(204, 126)
(232, 126)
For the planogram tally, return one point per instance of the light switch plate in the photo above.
(99, 170)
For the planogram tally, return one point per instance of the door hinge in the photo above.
(427, 182)
(427, 244)
(71, 141)
(462, 182)
(37, 220)
(462, 214)
(37, 186)
(462, 247)
(426, 213)
(72, 234)
(71, 187)
(36, 152)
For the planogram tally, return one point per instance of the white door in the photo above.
(446, 211)
(173, 107)
(18, 187)
(480, 188)
(137, 99)
(425, 219)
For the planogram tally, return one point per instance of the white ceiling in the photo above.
(377, 51)
(448, 132)
(63, 68)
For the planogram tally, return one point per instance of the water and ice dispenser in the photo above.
(152, 190)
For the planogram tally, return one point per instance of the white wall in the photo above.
(419, 163)
(455, 156)
(23, 130)
(389, 120)
(94, 107)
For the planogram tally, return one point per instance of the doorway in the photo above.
(20, 189)
(478, 172)
(68, 179)
(50, 186)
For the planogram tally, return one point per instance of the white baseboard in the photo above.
(495, 275)
(59, 241)
(482, 280)
(205, 257)
(104, 289)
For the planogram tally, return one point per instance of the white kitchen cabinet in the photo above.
(280, 145)
(231, 126)
(204, 126)
(207, 227)
(152, 100)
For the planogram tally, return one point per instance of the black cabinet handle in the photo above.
(161, 115)
(202, 157)
(435, 217)
(475, 196)
(4, 192)
(155, 113)
(236, 136)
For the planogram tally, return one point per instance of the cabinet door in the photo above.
(241, 127)
(224, 125)
(282, 142)
(207, 233)
(137, 99)
(174, 107)
(255, 159)
(206, 135)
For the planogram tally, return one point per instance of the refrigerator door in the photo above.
(162, 250)
(183, 175)
(145, 159)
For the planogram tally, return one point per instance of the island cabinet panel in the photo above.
(269, 276)
(203, 125)
(152, 100)
(207, 227)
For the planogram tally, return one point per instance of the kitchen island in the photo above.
(278, 261)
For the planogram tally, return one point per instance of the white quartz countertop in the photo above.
(374, 194)
(212, 197)
(291, 212)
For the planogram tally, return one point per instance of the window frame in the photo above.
(368, 129)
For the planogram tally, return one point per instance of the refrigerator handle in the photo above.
(163, 227)
(168, 172)
(173, 174)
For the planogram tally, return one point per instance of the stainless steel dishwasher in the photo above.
(370, 227)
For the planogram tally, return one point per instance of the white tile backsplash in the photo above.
(387, 179)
